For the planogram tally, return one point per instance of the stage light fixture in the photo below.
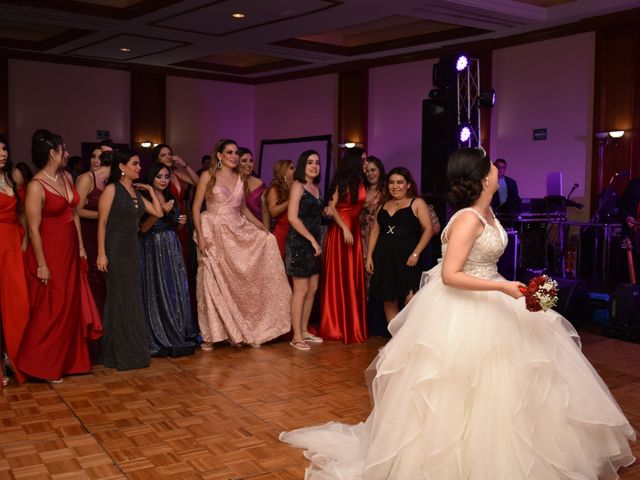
(487, 98)
(461, 63)
(464, 133)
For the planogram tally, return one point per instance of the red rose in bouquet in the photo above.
(541, 293)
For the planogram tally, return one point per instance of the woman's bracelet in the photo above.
(42, 268)
(414, 254)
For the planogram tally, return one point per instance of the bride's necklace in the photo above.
(54, 179)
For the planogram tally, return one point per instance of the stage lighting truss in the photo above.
(468, 101)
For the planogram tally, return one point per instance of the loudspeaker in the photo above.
(439, 130)
(625, 310)
(534, 245)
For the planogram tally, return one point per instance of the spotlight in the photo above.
(464, 133)
(487, 98)
(461, 63)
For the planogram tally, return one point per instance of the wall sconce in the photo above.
(349, 144)
(146, 144)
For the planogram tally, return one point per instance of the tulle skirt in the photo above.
(475, 387)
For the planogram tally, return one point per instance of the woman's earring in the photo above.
(122, 173)
(219, 164)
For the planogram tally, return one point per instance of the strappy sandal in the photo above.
(206, 346)
(300, 345)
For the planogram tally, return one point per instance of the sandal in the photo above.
(55, 381)
(312, 338)
(206, 346)
(300, 345)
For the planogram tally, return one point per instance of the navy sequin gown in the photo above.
(165, 290)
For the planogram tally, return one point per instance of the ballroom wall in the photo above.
(200, 112)
(70, 100)
(548, 85)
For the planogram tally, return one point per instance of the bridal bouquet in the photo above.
(541, 294)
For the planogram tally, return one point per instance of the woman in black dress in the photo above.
(124, 342)
(302, 246)
(400, 233)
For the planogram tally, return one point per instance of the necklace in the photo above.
(55, 179)
(3, 181)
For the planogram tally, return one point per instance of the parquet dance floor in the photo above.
(216, 415)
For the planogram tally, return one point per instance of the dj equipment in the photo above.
(625, 311)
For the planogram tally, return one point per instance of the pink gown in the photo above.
(242, 289)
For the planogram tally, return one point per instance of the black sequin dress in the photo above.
(299, 256)
(165, 290)
(124, 342)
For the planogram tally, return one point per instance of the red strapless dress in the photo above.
(342, 293)
(63, 313)
(14, 298)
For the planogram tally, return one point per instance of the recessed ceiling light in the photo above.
(238, 15)
(125, 49)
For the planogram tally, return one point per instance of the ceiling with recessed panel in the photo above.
(247, 40)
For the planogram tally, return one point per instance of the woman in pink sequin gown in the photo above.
(242, 289)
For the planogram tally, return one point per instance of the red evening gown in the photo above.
(63, 313)
(343, 301)
(14, 299)
(280, 230)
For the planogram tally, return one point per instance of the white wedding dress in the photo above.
(475, 387)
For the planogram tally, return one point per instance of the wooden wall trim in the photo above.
(148, 107)
(353, 107)
(4, 95)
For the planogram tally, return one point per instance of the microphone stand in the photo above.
(595, 218)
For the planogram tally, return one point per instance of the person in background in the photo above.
(277, 196)
(506, 200)
(14, 297)
(342, 294)
(25, 171)
(90, 186)
(254, 188)
(375, 182)
(302, 246)
(630, 206)
(205, 161)
(124, 345)
(165, 291)
(242, 290)
(400, 233)
(63, 315)
(75, 166)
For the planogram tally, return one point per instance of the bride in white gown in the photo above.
(473, 386)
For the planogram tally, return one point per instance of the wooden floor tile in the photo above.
(216, 415)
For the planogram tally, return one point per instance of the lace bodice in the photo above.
(487, 249)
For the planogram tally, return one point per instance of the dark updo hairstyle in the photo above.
(120, 157)
(383, 177)
(466, 169)
(154, 170)
(348, 176)
(155, 151)
(106, 158)
(299, 174)
(25, 170)
(7, 170)
(405, 173)
(42, 142)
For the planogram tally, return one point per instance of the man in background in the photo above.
(506, 200)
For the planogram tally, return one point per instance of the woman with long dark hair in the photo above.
(254, 187)
(14, 298)
(165, 291)
(344, 309)
(63, 313)
(120, 209)
(375, 181)
(243, 294)
(400, 233)
(302, 246)
(473, 385)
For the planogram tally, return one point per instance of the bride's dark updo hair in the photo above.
(466, 170)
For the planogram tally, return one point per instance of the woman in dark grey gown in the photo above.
(124, 342)
(165, 291)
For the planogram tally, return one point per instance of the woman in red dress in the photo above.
(278, 200)
(63, 313)
(342, 292)
(14, 299)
